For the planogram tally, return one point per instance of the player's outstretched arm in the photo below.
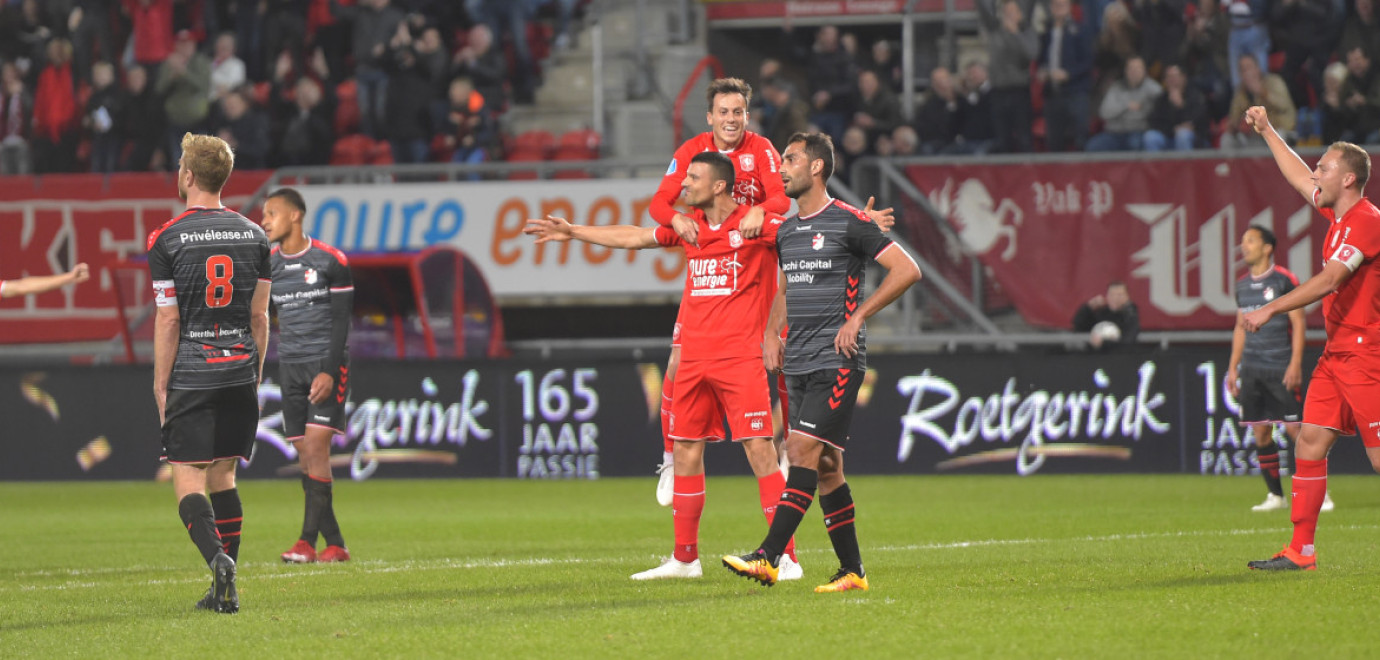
(27, 286)
(1295, 171)
(901, 273)
(628, 237)
(1333, 275)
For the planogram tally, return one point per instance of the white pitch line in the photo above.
(377, 566)
(1107, 538)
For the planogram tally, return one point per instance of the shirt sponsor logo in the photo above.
(215, 235)
(715, 276)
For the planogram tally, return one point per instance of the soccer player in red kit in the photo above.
(757, 184)
(1344, 393)
(729, 287)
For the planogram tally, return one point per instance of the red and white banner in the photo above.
(51, 223)
(1055, 234)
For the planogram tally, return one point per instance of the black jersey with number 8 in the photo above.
(208, 262)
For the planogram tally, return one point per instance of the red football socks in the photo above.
(686, 507)
(1309, 488)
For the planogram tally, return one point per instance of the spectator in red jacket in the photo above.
(153, 31)
(57, 120)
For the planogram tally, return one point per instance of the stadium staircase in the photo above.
(644, 50)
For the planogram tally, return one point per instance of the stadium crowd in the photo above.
(111, 85)
(1100, 75)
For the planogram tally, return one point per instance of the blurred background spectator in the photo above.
(938, 119)
(57, 118)
(1258, 88)
(1179, 118)
(1065, 74)
(1011, 47)
(1125, 110)
(16, 120)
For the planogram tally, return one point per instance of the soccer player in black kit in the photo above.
(823, 253)
(1265, 371)
(211, 280)
(314, 296)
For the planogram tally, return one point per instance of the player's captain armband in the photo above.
(671, 169)
(164, 295)
(1349, 255)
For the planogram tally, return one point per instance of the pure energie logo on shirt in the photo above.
(713, 276)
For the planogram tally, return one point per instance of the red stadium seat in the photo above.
(586, 141)
(521, 155)
(381, 153)
(352, 150)
(533, 141)
(347, 108)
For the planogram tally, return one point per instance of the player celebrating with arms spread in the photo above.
(729, 289)
(211, 281)
(314, 295)
(823, 253)
(1344, 393)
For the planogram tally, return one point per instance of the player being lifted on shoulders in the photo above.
(1265, 372)
(824, 252)
(1344, 393)
(314, 295)
(729, 288)
(757, 184)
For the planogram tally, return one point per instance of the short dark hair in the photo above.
(291, 196)
(720, 167)
(729, 86)
(818, 146)
(1266, 236)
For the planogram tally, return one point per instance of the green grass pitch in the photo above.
(1048, 566)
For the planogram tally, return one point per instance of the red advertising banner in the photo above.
(49, 224)
(1055, 234)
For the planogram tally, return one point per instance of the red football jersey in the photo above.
(1352, 311)
(730, 283)
(757, 180)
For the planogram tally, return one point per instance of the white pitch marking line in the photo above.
(382, 566)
